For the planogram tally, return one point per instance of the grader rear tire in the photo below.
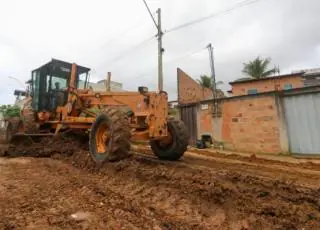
(175, 148)
(110, 136)
(29, 119)
(11, 129)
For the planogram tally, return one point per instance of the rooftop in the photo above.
(247, 80)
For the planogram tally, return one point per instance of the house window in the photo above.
(204, 107)
(252, 91)
(287, 86)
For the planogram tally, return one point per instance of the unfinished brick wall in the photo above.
(189, 91)
(251, 124)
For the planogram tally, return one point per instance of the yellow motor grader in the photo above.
(60, 100)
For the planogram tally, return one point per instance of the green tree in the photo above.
(205, 81)
(258, 68)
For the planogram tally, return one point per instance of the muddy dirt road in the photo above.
(200, 192)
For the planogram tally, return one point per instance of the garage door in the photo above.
(303, 123)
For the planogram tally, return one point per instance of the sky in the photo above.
(119, 36)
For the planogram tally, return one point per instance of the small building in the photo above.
(101, 86)
(274, 121)
(172, 104)
(294, 80)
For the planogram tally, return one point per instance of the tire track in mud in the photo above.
(289, 173)
(225, 196)
(147, 193)
(59, 190)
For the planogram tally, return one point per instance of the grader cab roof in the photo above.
(58, 65)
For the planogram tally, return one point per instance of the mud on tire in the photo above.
(174, 150)
(110, 136)
(11, 129)
(29, 119)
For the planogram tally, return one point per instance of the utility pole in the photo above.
(108, 82)
(213, 74)
(160, 52)
(213, 77)
(160, 48)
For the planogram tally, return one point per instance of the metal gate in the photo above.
(302, 114)
(189, 117)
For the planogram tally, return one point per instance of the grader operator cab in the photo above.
(49, 84)
(60, 101)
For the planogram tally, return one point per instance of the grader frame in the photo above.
(113, 119)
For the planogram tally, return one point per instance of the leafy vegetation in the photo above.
(258, 68)
(10, 111)
(206, 82)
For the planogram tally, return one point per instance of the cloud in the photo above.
(112, 36)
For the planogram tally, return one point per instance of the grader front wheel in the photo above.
(109, 137)
(173, 147)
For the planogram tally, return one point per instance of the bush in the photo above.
(9, 111)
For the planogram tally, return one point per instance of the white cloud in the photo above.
(92, 33)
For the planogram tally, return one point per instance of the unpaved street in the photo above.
(141, 192)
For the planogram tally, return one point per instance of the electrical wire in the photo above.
(189, 54)
(131, 49)
(151, 15)
(126, 52)
(118, 36)
(185, 56)
(221, 13)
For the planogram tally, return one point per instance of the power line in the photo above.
(120, 35)
(190, 54)
(221, 13)
(185, 56)
(154, 21)
(126, 52)
(131, 49)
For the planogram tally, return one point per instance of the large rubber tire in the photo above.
(11, 129)
(29, 118)
(114, 123)
(179, 143)
(9, 132)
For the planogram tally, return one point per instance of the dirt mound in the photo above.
(66, 144)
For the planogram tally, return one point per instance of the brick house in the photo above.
(254, 86)
(295, 80)
(263, 122)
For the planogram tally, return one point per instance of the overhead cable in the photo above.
(221, 13)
